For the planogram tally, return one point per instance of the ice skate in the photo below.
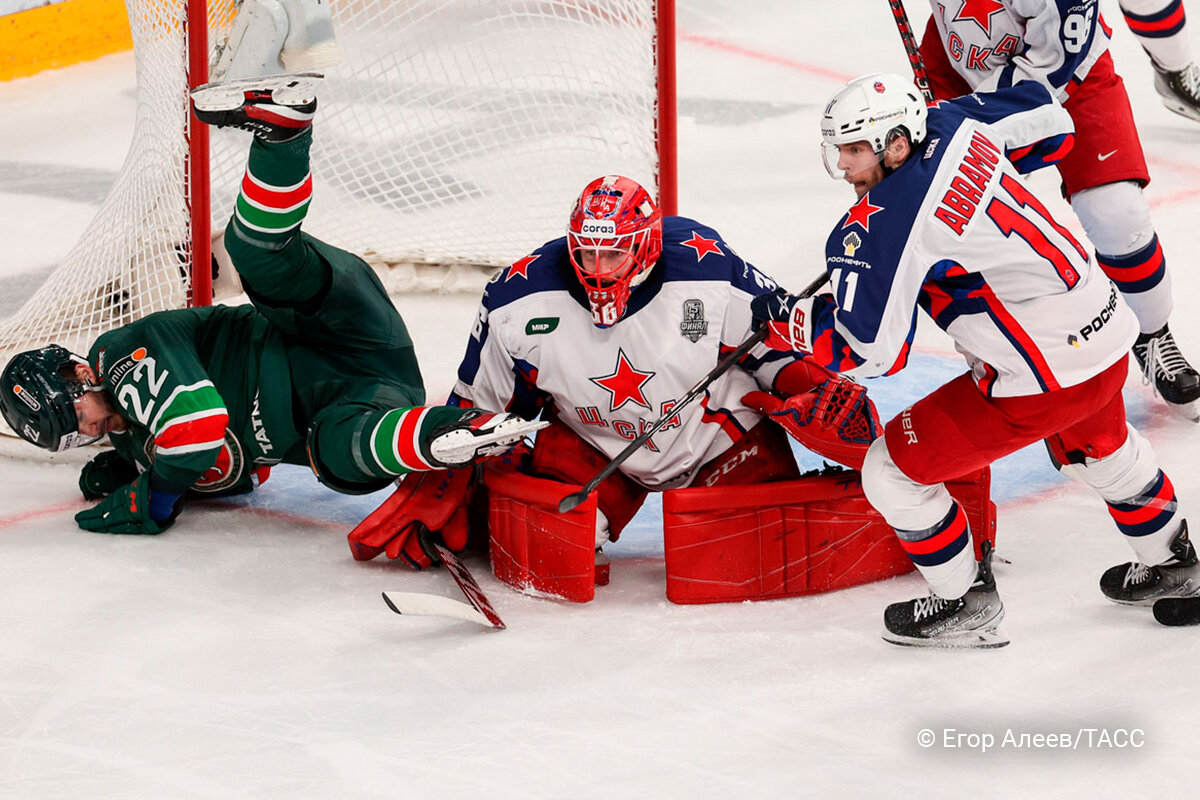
(477, 434)
(971, 621)
(1180, 91)
(1164, 366)
(1135, 584)
(276, 108)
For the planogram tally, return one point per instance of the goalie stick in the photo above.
(573, 500)
(477, 609)
(1176, 611)
(920, 76)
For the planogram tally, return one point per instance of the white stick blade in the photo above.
(433, 605)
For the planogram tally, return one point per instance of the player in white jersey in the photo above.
(983, 45)
(943, 222)
(1161, 28)
(602, 332)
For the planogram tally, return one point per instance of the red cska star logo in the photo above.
(520, 268)
(980, 11)
(624, 383)
(860, 213)
(702, 246)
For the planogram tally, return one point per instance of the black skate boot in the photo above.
(1180, 90)
(1135, 584)
(971, 621)
(1171, 375)
(477, 434)
(276, 108)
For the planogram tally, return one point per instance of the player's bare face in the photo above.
(97, 416)
(95, 411)
(861, 166)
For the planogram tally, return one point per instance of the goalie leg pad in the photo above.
(561, 455)
(816, 534)
(534, 548)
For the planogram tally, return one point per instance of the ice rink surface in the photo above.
(243, 654)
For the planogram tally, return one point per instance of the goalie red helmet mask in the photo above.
(37, 397)
(614, 239)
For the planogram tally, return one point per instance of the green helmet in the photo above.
(37, 398)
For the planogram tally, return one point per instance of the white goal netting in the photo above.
(456, 132)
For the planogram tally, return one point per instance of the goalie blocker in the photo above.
(732, 543)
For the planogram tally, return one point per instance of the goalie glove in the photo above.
(836, 420)
(424, 506)
(788, 319)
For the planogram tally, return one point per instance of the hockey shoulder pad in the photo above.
(836, 420)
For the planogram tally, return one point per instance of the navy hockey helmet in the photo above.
(37, 398)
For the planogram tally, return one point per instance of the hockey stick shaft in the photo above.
(571, 501)
(920, 76)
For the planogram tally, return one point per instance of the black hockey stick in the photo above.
(920, 76)
(1176, 611)
(572, 500)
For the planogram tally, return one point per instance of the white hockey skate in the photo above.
(478, 434)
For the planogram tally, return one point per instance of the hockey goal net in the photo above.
(454, 136)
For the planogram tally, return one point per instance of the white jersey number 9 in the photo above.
(1076, 29)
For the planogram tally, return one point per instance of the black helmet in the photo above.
(37, 398)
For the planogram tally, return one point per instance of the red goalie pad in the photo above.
(533, 547)
(816, 534)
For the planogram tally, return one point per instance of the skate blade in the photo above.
(1180, 109)
(467, 445)
(969, 640)
(1189, 411)
(287, 90)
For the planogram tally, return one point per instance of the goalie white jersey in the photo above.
(955, 231)
(534, 347)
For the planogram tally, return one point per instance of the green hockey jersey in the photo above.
(207, 394)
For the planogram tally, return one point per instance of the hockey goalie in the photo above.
(601, 332)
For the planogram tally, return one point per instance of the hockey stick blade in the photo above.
(1177, 611)
(470, 587)
(434, 605)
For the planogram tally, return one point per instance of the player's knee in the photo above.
(1115, 216)
(1124, 473)
(903, 502)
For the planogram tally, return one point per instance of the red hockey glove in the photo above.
(836, 420)
(788, 319)
(424, 504)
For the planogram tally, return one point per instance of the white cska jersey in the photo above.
(994, 44)
(955, 231)
(534, 344)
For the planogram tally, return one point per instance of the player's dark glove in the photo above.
(424, 507)
(126, 510)
(789, 320)
(835, 420)
(104, 474)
